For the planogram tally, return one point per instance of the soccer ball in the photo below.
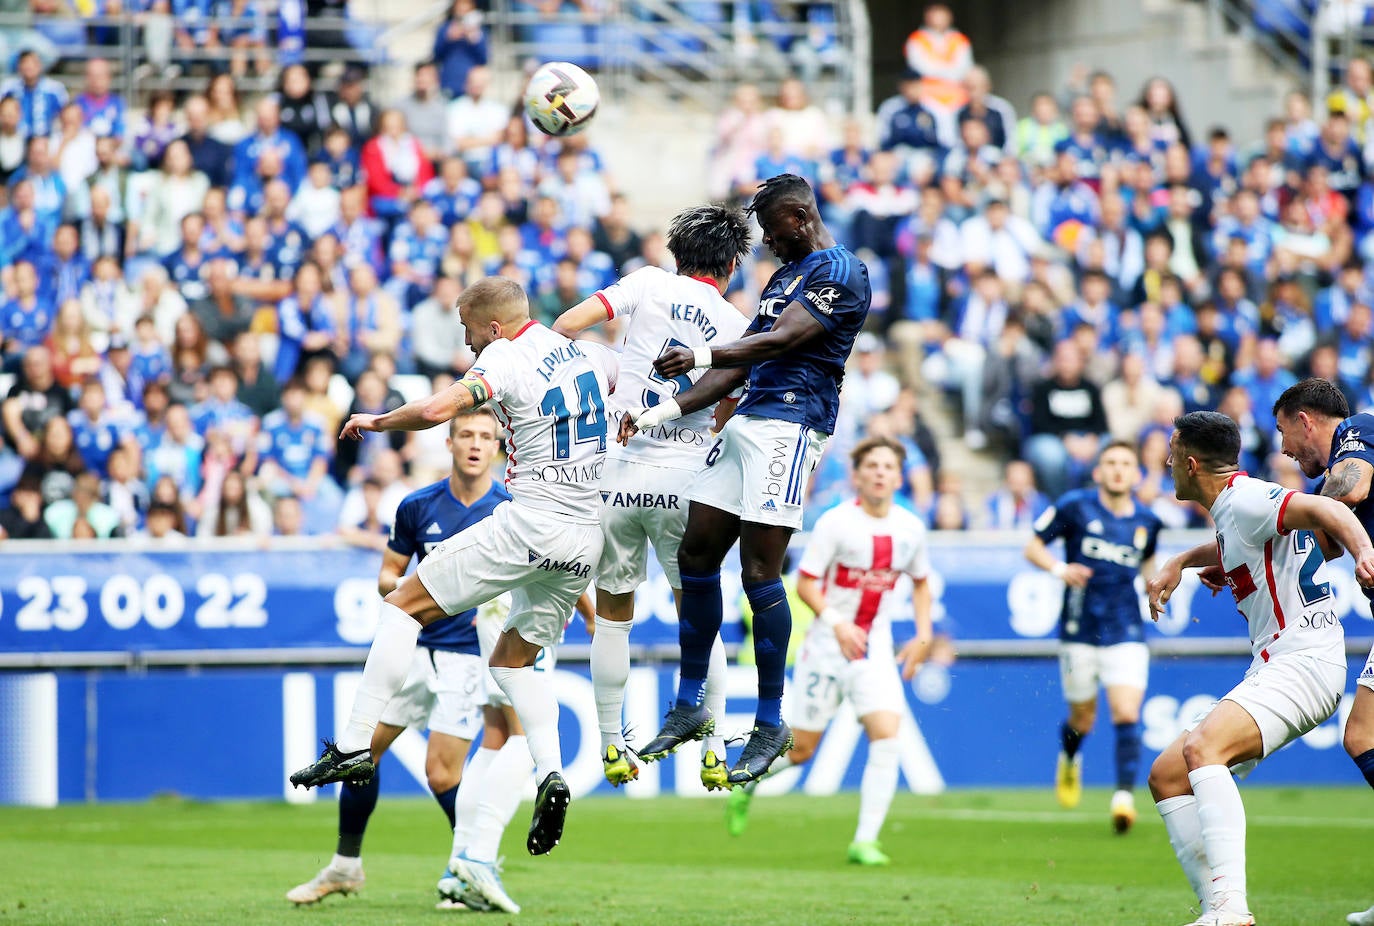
(561, 99)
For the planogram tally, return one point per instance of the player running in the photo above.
(1109, 539)
(643, 487)
(857, 553)
(791, 363)
(541, 547)
(1272, 560)
(1321, 435)
(444, 687)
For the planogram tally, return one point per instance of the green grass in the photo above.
(963, 858)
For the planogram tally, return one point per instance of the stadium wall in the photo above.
(126, 665)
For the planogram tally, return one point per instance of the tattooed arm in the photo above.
(1348, 482)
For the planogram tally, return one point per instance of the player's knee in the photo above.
(1196, 752)
(1168, 777)
(1359, 736)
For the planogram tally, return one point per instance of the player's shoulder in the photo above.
(1247, 491)
(1147, 517)
(907, 521)
(1076, 500)
(499, 492)
(1355, 433)
(836, 516)
(424, 495)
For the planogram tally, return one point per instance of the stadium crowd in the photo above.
(194, 297)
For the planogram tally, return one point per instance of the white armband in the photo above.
(830, 618)
(701, 357)
(1059, 570)
(666, 410)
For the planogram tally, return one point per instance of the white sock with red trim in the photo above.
(1185, 835)
(1222, 814)
(388, 664)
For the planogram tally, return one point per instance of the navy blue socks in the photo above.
(772, 632)
(697, 629)
(356, 803)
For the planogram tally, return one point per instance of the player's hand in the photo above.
(675, 361)
(853, 640)
(1364, 567)
(628, 429)
(1076, 575)
(354, 427)
(1213, 578)
(912, 655)
(1161, 587)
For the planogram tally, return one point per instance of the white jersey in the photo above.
(550, 394)
(1277, 577)
(666, 310)
(860, 559)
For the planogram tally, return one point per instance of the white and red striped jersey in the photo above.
(665, 310)
(550, 395)
(860, 559)
(1276, 576)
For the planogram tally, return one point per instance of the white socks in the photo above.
(715, 700)
(531, 694)
(610, 673)
(388, 664)
(498, 797)
(346, 864)
(465, 801)
(1181, 821)
(877, 788)
(1222, 814)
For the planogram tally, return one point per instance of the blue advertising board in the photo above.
(126, 598)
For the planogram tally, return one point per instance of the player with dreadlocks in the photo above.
(791, 363)
(642, 486)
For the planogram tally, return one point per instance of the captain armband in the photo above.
(477, 388)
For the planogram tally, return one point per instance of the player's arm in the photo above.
(588, 313)
(853, 640)
(1324, 513)
(915, 650)
(1072, 574)
(1349, 481)
(725, 410)
(587, 609)
(714, 386)
(393, 568)
(794, 327)
(466, 393)
(1161, 585)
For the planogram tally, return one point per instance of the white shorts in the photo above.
(1287, 696)
(491, 617)
(544, 561)
(444, 690)
(1084, 667)
(640, 504)
(822, 679)
(1366, 679)
(758, 470)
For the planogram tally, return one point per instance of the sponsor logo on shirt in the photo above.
(640, 500)
(823, 299)
(581, 570)
(434, 528)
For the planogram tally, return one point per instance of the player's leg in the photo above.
(762, 550)
(1178, 809)
(1078, 677)
(1228, 736)
(710, 534)
(1359, 742)
(1125, 672)
(610, 673)
(804, 743)
(455, 721)
(878, 786)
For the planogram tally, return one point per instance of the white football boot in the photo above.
(330, 880)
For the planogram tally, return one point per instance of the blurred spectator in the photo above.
(990, 109)
(869, 389)
(294, 454)
(476, 121)
(303, 110)
(805, 129)
(12, 137)
(582, 195)
(459, 46)
(23, 519)
(1017, 504)
(161, 523)
(157, 130)
(1129, 400)
(426, 110)
(350, 108)
(740, 135)
(1038, 133)
(288, 517)
(943, 56)
(83, 516)
(395, 166)
(73, 152)
(178, 192)
(40, 97)
(615, 237)
(360, 522)
(74, 357)
(235, 511)
(372, 323)
(271, 136)
(958, 364)
(437, 335)
(306, 322)
(34, 400)
(227, 122)
(243, 28)
(1067, 422)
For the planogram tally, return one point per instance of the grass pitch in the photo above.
(963, 858)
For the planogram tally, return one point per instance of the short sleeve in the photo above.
(1151, 539)
(402, 537)
(622, 298)
(832, 297)
(1257, 509)
(1354, 443)
(1053, 523)
(821, 549)
(494, 369)
(918, 566)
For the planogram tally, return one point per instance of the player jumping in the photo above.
(1271, 557)
(444, 687)
(791, 362)
(643, 487)
(541, 547)
(1321, 435)
(1109, 539)
(857, 553)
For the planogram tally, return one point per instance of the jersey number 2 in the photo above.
(1311, 591)
(679, 383)
(589, 424)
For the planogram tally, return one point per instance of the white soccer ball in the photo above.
(561, 99)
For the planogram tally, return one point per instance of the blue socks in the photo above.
(446, 800)
(772, 632)
(1127, 755)
(1365, 761)
(1069, 739)
(356, 803)
(697, 629)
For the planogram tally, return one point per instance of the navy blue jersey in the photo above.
(803, 385)
(426, 518)
(1354, 440)
(1107, 610)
